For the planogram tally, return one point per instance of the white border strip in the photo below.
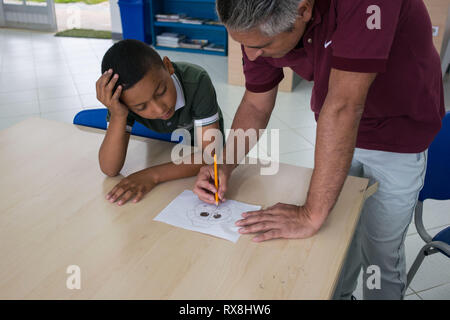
(206, 121)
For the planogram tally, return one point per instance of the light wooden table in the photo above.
(53, 214)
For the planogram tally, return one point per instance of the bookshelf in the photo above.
(202, 9)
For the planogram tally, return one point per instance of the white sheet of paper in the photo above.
(188, 212)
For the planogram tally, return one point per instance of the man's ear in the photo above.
(169, 66)
(305, 10)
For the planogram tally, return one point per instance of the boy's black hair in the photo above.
(131, 60)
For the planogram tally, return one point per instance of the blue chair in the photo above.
(96, 118)
(437, 186)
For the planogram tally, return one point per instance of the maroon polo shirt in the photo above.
(405, 104)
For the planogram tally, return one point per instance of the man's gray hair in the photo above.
(270, 16)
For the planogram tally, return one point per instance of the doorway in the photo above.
(55, 15)
(37, 15)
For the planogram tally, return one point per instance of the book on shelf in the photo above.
(214, 47)
(170, 16)
(213, 23)
(190, 20)
(169, 39)
(170, 36)
(166, 44)
(182, 18)
(193, 43)
(167, 20)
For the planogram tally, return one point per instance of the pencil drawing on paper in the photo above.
(206, 215)
(187, 211)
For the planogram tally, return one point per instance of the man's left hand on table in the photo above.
(279, 221)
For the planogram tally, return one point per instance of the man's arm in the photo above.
(337, 130)
(253, 113)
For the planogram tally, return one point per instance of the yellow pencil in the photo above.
(216, 182)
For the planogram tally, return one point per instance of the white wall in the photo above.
(447, 32)
(445, 54)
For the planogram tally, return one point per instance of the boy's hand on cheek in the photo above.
(134, 188)
(104, 87)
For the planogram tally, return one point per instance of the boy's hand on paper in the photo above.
(204, 185)
(104, 87)
(134, 187)
(279, 221)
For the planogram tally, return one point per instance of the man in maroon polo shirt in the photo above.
(378, 100)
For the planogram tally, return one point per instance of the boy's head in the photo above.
(147, 86)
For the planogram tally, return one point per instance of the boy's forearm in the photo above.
(114, 147)
(171, 171)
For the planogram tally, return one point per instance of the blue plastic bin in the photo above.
(132, 13)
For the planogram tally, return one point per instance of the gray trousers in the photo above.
(381, 231)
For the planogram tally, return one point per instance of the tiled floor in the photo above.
(53, 78)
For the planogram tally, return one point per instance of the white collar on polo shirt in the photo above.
(180, 94)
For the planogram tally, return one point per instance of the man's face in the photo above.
(258, 44)
(154, 96)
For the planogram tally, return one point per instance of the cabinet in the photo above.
(439, 12)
